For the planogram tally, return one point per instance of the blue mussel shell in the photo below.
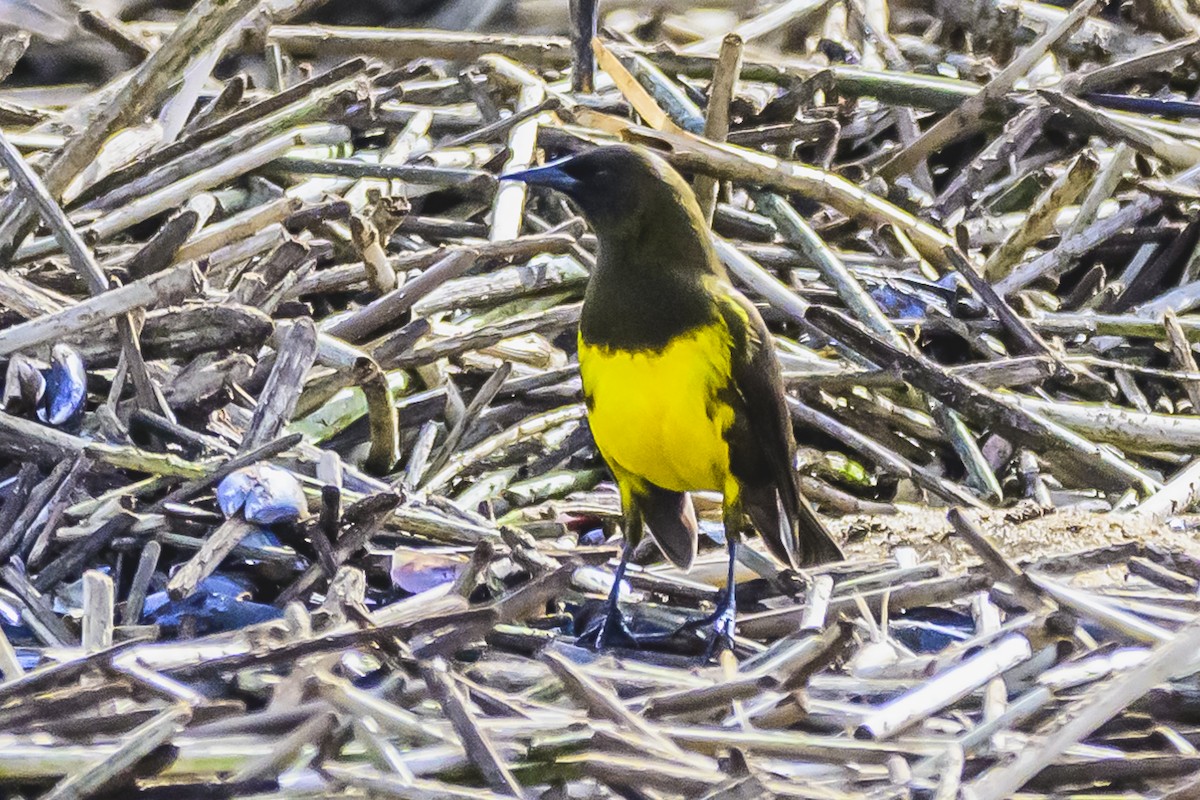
(66, 388)
(265, 494)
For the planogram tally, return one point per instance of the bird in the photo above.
(681, 383)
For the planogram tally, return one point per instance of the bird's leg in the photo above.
(610, 628)
(723, 619)
(721, 622)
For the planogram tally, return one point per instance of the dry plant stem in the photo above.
(32, 441)
(366, 516)
(139, 587)
(1162, 576)
(1178, 496)
(398, 152)
(79, 554)
(165, 288)
(227, 232)
(508, 206)
(584, 17)
(923, 91)
(494, 130)
(1103, 187)
(976, 402)
(384, 784)
(159, 252)
(888, 460)
(789, 12)
(721, 91)
(298, 105)
(128, 663)
(12, 48)
(1002, 569)
(380, 750)
(382, 415)
(1176, 152)
(527, 428)
(210, 555)
(113, 32)
(603, 703)
(119, 765)
(315, 731)
(1129, 325)
(98, 604)
(549, 322)
(638, 96)
(1102, 612)
(349, 275)
(477, 743)
(1182, 356)
(418, 457)
(704, 700)
(743, 165)
(1175, 658)
(666, 92)
(466, 178)
(1061, 258)
(204, 25)
(1168, 55)
(966, 119)
(955, 683)
(487, 392)
(28, 299)
(797, 231)
(1016, 139)
(175, 194)
(38, 612)
(84, 263)
(10, 665)
(1028, 341)
(278, 399)
(1040, 220)
(380, 274)
(816, 604)
(351, 700)
(873, 20)
(364, 322)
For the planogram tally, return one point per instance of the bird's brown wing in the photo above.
(762, 449)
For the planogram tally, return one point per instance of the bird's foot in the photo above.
(720, 624)
(721, 632)
(610, 630)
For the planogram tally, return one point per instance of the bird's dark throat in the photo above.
(643, 311)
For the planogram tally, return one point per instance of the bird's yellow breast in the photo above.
(656, 415)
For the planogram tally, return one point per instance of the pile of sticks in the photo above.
(277, 253)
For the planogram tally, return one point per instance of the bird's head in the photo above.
(617, 187)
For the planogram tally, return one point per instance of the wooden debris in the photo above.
(251, 237)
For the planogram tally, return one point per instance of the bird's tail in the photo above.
(796, 536)
(671, 518)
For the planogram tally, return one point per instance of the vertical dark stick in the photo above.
(584, 14)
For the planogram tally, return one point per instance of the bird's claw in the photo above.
(721, 632)
(721, 625)
(610, 630)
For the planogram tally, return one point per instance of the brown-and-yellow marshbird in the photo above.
(682, 385)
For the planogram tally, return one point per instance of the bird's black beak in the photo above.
(552, 175)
